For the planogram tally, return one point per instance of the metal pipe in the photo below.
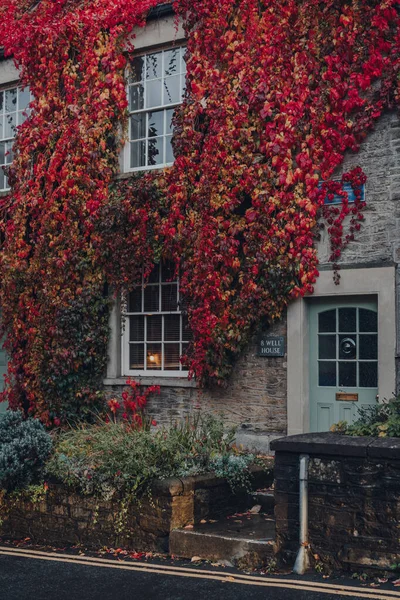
(302, 560)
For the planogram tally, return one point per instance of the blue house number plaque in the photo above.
(271, 345)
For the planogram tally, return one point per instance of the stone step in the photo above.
(244, 540)
(266, 500)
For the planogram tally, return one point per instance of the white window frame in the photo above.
(164, 106)
(125, 352)
(21, 115)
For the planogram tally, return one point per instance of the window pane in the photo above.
(347, 319)
(171, 62)
(154, 328)
(368, 320)
(347, 347)
(156, 123)
(172, 324)
(168, 271)
(153, 93)
(169, 297)
(172, 92)
(327, 374)
(2, 179)
(169, 153)
(135, 300)
(152, 298)
(168, 120)
(136, 356)
(9, 154)
(24, 99)
(155, 274)
(2, 153)
(136, 330)
(327, 346)
(153, 357)
(368, 346)
(10, 125)
(11, 100)
(183, 62)
(1, 101)
(138, 126)
(137, 69)
(138, 154)
(136, 97)
(327, 321)
(347, 374)
(1, 128)
(20, 118)
(186, 331)
(153, 65)
(171, 357)
(155, 151)
(368, 373)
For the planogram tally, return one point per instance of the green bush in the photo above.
(380, 420)
(111, 458)
(24, 448)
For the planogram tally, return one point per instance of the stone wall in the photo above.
(254, 399)
(354, 499)
(64, 518)
(378, 241)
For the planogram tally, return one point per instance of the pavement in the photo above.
(28, 572)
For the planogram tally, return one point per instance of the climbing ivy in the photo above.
(277, 93)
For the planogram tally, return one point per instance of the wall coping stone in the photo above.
(335, 444)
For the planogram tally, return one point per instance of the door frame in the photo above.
(369, 283)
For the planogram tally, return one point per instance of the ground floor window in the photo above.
(156, 332)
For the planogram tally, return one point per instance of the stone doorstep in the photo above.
(249, 543)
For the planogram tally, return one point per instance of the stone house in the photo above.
(336, 350)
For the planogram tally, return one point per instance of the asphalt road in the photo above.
(29, 574)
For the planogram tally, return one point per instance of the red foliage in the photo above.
(277, 93)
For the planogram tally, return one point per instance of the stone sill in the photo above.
(335, 444)
(177, 382)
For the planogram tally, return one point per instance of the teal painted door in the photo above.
(343, 360)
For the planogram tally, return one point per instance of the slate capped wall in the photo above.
(353, 499)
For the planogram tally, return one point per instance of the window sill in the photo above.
(4, 193)
(181, 382)
(144, 171)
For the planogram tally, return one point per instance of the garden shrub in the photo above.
(380, 420)
(24, 448)
(114, 458)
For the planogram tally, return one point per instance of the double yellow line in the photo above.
(242, 579)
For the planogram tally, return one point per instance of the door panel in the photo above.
(343, 360)
(324, 416)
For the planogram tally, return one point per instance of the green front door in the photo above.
(343, 360)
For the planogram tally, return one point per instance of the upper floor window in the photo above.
(156, 332)
(13, 105)
(155, 87)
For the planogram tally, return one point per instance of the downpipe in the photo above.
(303, 560)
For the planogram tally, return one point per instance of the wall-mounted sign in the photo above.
(343, 397)
(271, 345)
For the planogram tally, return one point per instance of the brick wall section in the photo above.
(354, 499)
(65, 518)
